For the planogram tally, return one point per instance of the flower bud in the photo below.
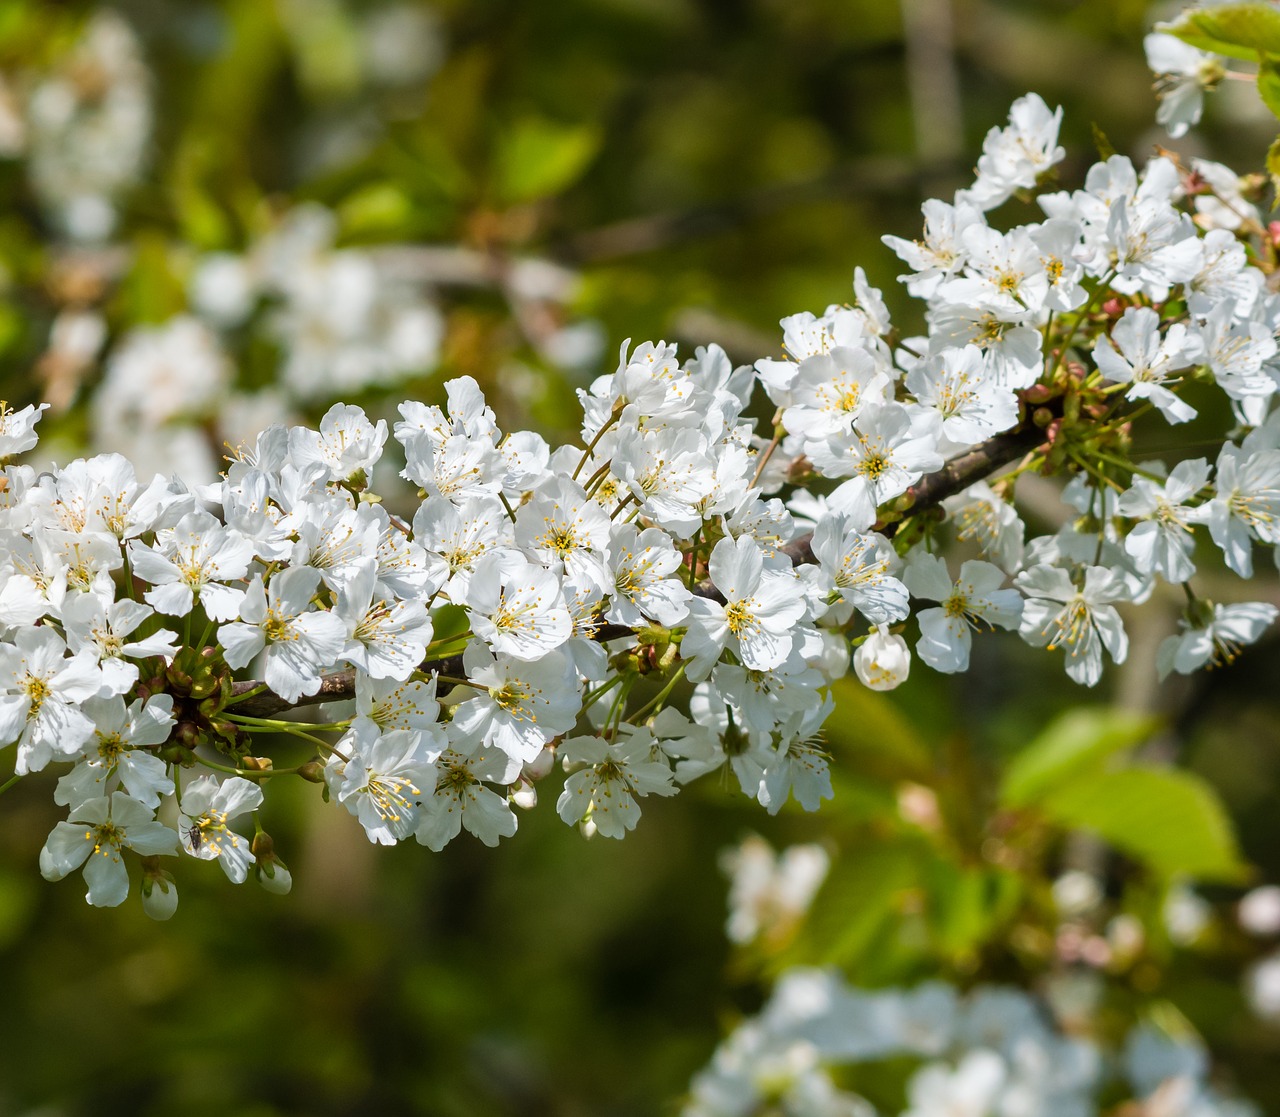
(524, 795)
(272, 873)
(541, 764)
(159, 894)
(312, 771)
(274, 876)
(883, 661)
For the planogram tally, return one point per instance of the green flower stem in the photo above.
(597, 478)
(693, 557)
(767, 452)
(9, 783)
(606, 426)
(1081, 316)
(594, 696)
(661, 697)
(460, 682)
(247, 773)
(287, 726)
(615, 711)
(247, 694)
(628, 499)
(1096, 474)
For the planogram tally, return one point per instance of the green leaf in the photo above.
(869, 729)
(1170, 820)
(1077, 741)
(859, 897)
(537, 158)
(1269, 83)
(1273, 165)
(965, 905)
(1104, 146)
(377, 208)
(1237, 30)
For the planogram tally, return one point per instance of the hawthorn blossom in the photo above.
(615, 773)
(518, 706)
(754, 624)
(1079, 619)
(118, 751)
(195, 558)
(299, 641)
(975, 600)
(1162, 540)
(41, 693)
(1138, 355)
(207, 808)
(95, 835)
(1215, 639)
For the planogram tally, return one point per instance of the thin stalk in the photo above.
(767, 453)
(693, 557)
(1080, 318)
(586, 454)
(247, 694)
(661, 697)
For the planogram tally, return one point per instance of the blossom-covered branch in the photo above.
(674, 593)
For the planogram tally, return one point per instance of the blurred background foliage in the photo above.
(548, 179)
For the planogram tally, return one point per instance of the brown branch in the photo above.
(954, 477)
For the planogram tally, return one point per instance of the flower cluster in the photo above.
(992, 1050)
(83, 125)
(675, 594)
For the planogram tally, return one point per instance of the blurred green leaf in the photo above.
(965, 904)
(380, 207)
(1170, 820)
(1269, 84)
(1237, 30)
(1273, 164)
(232, 88)
(859, 896)
(151, 291)
(537, 158)
(326, 46)
(872, 732)
(1078, 740)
